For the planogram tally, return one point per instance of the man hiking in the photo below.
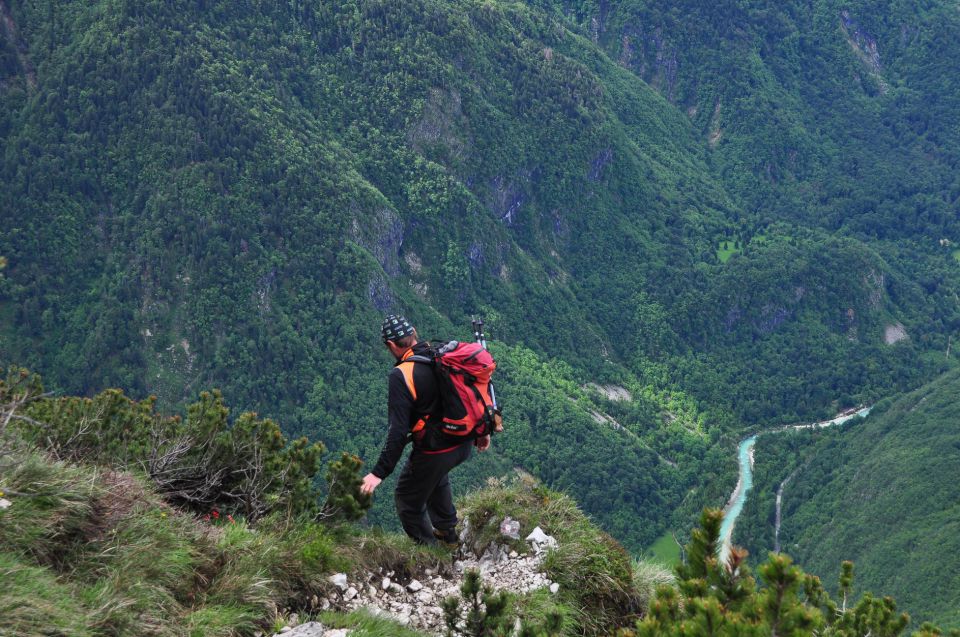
(423, 496)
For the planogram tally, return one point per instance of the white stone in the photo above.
(425, 597)
(541, 541)
(350, 593)
(338, 632)
(514, 555)
(414, 586)
(385, 584)
(339, 580)
(395, 588)
(310, 629)
(554, 588)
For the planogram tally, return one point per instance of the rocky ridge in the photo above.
(417, 603)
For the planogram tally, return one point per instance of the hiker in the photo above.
(423, 496)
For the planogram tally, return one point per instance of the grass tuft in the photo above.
(31, 597)
(364, 624)
(108, 556)
(53, 511)
(647, 576)
(374, 550)
(223, 620)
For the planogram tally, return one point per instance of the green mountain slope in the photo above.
(888, 498)
(833, 115)
(233, 198)
(882, 492)
(825, 111)
(212, 194)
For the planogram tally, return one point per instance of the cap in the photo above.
(395, 327)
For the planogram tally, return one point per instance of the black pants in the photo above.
(423, 495)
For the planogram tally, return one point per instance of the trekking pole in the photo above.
(478, 334)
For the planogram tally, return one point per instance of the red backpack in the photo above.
(463, 372)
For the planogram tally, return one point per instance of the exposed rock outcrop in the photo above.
(417, 602)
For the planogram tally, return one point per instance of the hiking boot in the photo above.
(448, 538)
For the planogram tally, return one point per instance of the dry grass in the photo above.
(647, 576)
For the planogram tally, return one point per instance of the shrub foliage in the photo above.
(204, 461)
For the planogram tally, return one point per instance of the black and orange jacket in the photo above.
(412, 396)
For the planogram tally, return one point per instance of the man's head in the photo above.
(398, 335)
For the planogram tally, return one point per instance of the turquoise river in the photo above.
(745, 458)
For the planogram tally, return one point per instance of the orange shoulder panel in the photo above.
(406, 368)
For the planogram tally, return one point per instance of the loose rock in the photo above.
(310, 629)
(541, 541)
(339, 580)
(418, 603)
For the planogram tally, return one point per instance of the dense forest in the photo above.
(743, 214)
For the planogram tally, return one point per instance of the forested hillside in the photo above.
(896, 481)
(741, 213)
(835, 116)
(882, 492)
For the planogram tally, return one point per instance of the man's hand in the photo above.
(370, 482)
(482, 443)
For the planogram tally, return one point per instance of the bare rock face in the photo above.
(381, 233)
(894, 334)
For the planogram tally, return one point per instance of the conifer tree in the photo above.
(714, 599)
(344, 499)
(486, 613)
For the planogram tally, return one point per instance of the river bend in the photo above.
(745, 482)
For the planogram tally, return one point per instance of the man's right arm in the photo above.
(399, 404)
